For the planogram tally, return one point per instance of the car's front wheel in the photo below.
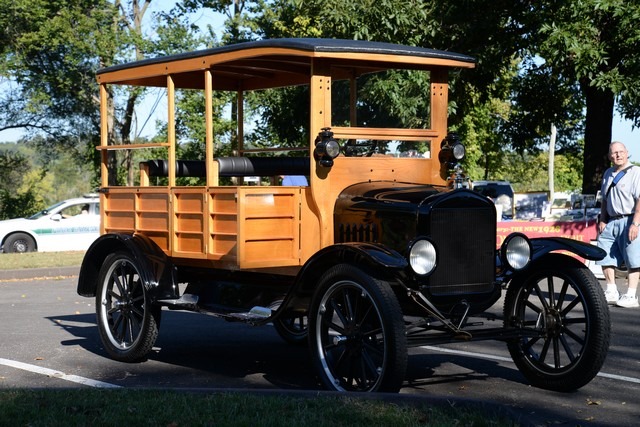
(19, 243)
(564, 321)
(127, 321)
(357, 335)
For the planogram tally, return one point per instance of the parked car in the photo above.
(375, 255)
(70, 225)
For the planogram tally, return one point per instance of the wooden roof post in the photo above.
(212, 167)
(171, 129)
(439, 109)
(320, 176)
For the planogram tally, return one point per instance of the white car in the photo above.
(70, 225)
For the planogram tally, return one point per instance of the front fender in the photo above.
(156, 270)
(544, 245)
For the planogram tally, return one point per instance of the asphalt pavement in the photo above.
(542, 415)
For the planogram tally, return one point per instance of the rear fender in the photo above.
(156, 270)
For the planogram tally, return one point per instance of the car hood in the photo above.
(16, 222)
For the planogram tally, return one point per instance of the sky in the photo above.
(622, 131)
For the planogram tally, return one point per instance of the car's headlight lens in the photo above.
(332, 148)
(458, 151)
(516, 251)
(422, 257)
(327, 148)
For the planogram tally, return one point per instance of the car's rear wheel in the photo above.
(293, 328)
(127, 321)
(565, 325)
(19, 243)
(357, 335)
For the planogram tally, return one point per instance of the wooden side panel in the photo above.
(153, 215)
(119, 212)
(138, 210)
(223, 225)
(269, 227)
(189, 222)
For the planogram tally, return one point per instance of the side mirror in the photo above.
(56, 217)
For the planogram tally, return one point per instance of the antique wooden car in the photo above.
(372, 252)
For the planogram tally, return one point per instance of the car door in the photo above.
(72, 227)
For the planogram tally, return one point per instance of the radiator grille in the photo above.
(357, 233)
(466, 241)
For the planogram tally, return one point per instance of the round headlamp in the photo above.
(422, 256)
(327, 148)
(332, 148)
(458, 151)
(451, 149)
(516, 251)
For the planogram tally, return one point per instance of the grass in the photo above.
(170, 408)
(40, 260)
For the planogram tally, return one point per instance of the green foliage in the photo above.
(61, 38)
(542, 98)
(528, 172)
(13, 164)
(538, 62)
(15, 200)
(593, 43)
(18, 205)
(283, 117)
(32, 178)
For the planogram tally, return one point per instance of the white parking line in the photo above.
(508, 359)
(100, 384)
(56, 374)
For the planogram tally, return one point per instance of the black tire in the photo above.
(356, 332)
(294, 330)
(127, 322)
(19, 243)
(564, 306)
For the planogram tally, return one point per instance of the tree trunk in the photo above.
(597, 136)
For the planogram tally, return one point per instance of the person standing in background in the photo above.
(619, 225)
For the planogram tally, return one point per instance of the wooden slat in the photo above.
(132, 146)
(388, 134)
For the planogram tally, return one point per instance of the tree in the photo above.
(47, 62)
(240, 26)
(478, 109)
(593, 43)
(13, 166)
(51, 52)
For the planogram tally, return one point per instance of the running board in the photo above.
(190, 302)
(185, 302)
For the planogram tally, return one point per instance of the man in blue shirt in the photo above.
(619, 225)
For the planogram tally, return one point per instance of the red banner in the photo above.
(584, 230)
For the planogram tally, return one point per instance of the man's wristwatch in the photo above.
(637, 224)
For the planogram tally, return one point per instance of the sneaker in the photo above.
(612, 296)
(628, 301)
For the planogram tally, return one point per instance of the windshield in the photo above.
(45, 211)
